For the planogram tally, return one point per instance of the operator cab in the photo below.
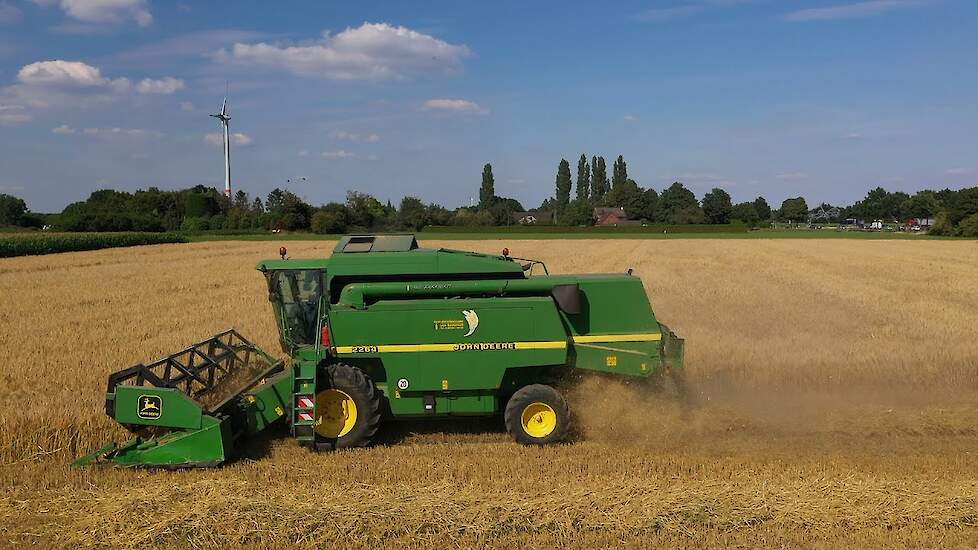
(296, 296)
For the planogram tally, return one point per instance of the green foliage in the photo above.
(583, 178)
(942, 225)
(969, 226)
(650, 205)
(412, 214)
(328, 222)
(745, 213)
(762, 208)
(678, 205)
(200, 204)
(717, 207)
(563, 185)
(794, 210)
(923, 204)
(487, 192)
(50, 243)
(578, 213)
(599, 179)
(962, 204)
(364, 210)
(630, 196)
(472, 218)
(195, 224)
(503, 209)
(12, 210)
(620, 173)
(880, 204)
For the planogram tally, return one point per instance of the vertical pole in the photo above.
(227, 160)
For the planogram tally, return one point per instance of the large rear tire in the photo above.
(537, 415)
(347, 408)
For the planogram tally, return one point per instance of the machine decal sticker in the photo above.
(484, 346)
(472, 319)
(149, 407)
(460, 346)
(403, 384)
(450, 324)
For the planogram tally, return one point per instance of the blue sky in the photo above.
(821, 98)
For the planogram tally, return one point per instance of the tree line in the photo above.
(573, 203)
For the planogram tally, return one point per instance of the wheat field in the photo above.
(835, 383)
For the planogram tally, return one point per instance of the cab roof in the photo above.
(396, 255)
(359, 244)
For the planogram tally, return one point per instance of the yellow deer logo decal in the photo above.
(471, 319)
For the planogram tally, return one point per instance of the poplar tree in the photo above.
(583, 179)
(563, 184)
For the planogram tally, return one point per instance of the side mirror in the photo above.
(568, 298)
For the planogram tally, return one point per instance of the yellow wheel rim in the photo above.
(336, 413)
(539, 419)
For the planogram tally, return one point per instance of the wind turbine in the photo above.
(225, 118)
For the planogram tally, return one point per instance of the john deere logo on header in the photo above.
(471, 322)
(150, 407)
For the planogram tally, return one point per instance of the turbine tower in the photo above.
(225, 118)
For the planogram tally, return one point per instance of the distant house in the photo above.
(604, 215)
(533, 217)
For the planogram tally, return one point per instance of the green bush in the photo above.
(942, 225)
(195, 224)
(33, 244)
(969, 226)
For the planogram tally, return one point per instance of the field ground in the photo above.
(836, 382)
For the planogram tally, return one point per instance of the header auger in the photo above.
(383, 330)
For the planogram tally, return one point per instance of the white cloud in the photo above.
(959, 171)
(454, 105)
(9, 13)
(113, 132)
(58, 83)
(59, 72)
(372, 51)
(237, 139)
(629, 118)
(64, 129)
(867, 8)
(12, 115)
(104, 11)
(338, 154)
(186, 106)
(302, 153)
(356, 138)
(163, 86)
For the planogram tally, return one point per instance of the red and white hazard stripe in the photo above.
(305, 403)
(305, 417)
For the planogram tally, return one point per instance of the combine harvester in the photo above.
(381, 330)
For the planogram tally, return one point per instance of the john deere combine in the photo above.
(383, 330)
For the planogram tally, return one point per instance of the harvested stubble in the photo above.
(836, 382)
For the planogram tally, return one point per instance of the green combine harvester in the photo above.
(384, 330)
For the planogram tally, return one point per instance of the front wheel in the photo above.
(537, 415)
(347, 408)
